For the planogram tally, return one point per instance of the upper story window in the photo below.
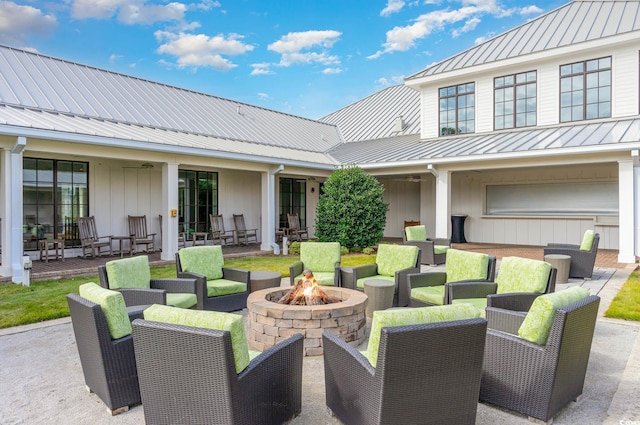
(515, 100)
(585, 90)
(457, 109)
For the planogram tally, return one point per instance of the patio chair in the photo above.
(132, 277)
(583, 256)
(296, 233)
(105, 345)
(92, 244)
(322, 258)
(218, 233)
(195, 368)
(429, 288)
(242, 232)
(519, 281)
(421, 366)
(535, 362)
(393, 263)
(221, 288)
(434, 251)
(140, 235)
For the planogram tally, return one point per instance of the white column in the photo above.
(443, 202)
(269, 213)
(5, 213)
(627, 211)
(12, 254)
(169, 211)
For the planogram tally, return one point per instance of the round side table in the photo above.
(264, 279)
(380, 294)
(562, 263)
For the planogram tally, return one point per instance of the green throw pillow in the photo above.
(413, 316)
(416, 233)
(217, 320)
(129, 273)
(205, 260)
(112, 305)
(320, 256)
(391, 258)
(522, 275)
(466, 265)
(587, 240)
(537, 324)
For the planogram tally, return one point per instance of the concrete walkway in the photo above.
(42, 380)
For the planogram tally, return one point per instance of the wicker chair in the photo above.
(92, 243)
(538, 381)
(244, 234)
(322, 258)
(109, 366)
(159, 291)
(227, 302)
(393, 262)
(140, 235)
(582, 260)
(415, 380)
(434, 251)
(188, 376)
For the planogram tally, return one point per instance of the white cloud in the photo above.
(206, 5)
(113, 58)
(263, 96)
(295, 47)
(328, 71)
(403, 38)
(391, 81)
(393, 6)
(17, 22)
(128, 11)
(200, 50)
(261, 69)
(530, 10)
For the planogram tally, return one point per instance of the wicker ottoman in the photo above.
(380, 294)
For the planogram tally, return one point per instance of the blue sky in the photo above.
(307, 58)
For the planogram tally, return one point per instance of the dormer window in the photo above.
(515, 100)
(457, 109)
(585, 90)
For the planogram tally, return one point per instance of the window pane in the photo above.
(499, 109)
(605, 63)
(565, 85)
(531, 118)
(565, 70)
(577, 68)
(576, 97)
(521, 106)
(592, 95)
(604, 78)
(531, 90)
(605, 110)
(499, 95)
(592, 65)
(592, 111)
(577, 83)
(576, 113)
(499, 123)
(604, 94)
(565, 114)
(592, 80)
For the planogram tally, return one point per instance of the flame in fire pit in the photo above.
(307, 292)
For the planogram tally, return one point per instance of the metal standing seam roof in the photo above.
(374, 117)
(576, 22)
(589, 137)
(42, 83)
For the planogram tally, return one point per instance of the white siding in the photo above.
(625, 82)
(404, 200)
(484, 103)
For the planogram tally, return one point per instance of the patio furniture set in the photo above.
(505, 338)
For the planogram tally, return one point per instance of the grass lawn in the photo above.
(626, 304)
(46, 300)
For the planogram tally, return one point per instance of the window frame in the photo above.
(585, 73)
(195, 207)
(460, 101)
(515, 85)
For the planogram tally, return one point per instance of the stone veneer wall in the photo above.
(270, 322)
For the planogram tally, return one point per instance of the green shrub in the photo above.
(369, 250)
(294, 248)
(344, 250)
(351, 209)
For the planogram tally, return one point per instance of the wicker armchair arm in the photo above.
(520, 301)
(364, 271)
(171, 285)
(349, 365)
(296, 269)
(237, 275)
(420, 280)
(470, 289)
(504, 320)
(441, 241)
(139, 296)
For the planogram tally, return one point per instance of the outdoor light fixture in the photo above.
(146, 165)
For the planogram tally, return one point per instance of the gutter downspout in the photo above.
(271, 208)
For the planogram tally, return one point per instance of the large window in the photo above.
(457, 109)
(515, 100)
(585, 90)
(55, 194)
(197, 198)
(293, 200)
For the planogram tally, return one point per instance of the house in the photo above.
(534, 135)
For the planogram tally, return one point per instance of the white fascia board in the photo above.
(149, 146)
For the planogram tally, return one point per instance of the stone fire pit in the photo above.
(270, 322)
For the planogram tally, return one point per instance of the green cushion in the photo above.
(112, 305)
(466, 265)
(479, 303)
(218, 287)
(391, 258)
(129, 273)
(587, 240)
(413, 316)
(233, 323)
(320, 256)
(416, 233)
(440, 249)
(429, 294)
(360, 282)
(537, 324)
(205, 260)
(522, 275)
(181, 299)
(323, 278)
